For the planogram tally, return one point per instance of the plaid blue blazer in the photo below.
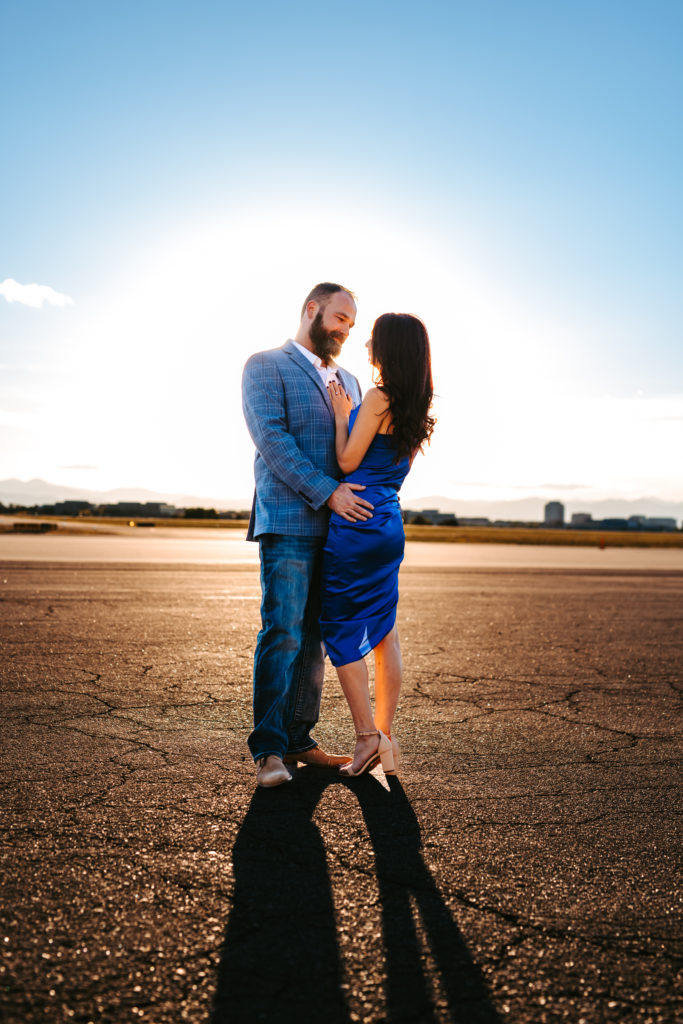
(290, 418)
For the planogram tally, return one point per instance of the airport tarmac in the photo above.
(522, 867)
(90, 542)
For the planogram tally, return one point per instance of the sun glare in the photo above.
(151, 375)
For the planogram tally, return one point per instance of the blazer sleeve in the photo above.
(263, 402)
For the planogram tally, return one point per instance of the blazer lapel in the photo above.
(347, 382)
(306, 365)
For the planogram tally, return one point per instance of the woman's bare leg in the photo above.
(388, 676)
(354, 681)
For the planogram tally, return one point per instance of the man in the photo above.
(290, 419)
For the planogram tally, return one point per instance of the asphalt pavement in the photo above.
(521, 868)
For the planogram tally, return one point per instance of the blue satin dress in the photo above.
(362, 559)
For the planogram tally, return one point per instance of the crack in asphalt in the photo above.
(124, 812)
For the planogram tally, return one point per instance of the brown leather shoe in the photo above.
(270, 771)
(317, 757)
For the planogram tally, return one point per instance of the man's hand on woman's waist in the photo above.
(348, 505)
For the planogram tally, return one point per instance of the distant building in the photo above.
(655, 524)
(429, 517)
(149, 509)
(613, 524)
(232, 514)
(584, 520)
(424, 517)
(72, 508)
(660, 523)
(554, 514)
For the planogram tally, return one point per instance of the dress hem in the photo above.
(342, 664)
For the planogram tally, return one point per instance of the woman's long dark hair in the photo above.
(400, 351)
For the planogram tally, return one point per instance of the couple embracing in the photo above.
(328, 468)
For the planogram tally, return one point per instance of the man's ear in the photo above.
(312, 308)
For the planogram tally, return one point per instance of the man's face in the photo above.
(331, 325)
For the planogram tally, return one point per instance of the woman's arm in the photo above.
(342, 405)
(352, 447)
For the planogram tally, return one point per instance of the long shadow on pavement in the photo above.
(281, 958)
(407, 889)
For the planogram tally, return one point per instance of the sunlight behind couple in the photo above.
(150, 369)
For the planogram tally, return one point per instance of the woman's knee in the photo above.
(390, 643)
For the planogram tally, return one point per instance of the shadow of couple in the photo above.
(281, 958)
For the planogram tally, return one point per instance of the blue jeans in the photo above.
(289, 660)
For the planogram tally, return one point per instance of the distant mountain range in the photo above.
(40, 492)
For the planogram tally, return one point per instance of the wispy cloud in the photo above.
(562, 487)
(23, 367)
(35, 295)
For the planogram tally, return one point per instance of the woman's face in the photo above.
(368, 345)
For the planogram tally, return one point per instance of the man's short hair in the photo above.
(322, 292)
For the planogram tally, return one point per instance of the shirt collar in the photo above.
(316, 360)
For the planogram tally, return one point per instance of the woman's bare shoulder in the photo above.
(376, 400)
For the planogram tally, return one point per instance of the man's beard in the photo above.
(326, 344)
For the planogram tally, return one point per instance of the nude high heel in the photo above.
(384, 753)
(396, 751)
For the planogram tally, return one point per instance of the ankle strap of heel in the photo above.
(375, 732)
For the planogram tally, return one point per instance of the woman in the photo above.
(376, 444)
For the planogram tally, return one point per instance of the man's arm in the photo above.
(346, 503)
(264, 411)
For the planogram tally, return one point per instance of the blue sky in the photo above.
(185, 171)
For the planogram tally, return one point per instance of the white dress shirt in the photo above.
(327, 372)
